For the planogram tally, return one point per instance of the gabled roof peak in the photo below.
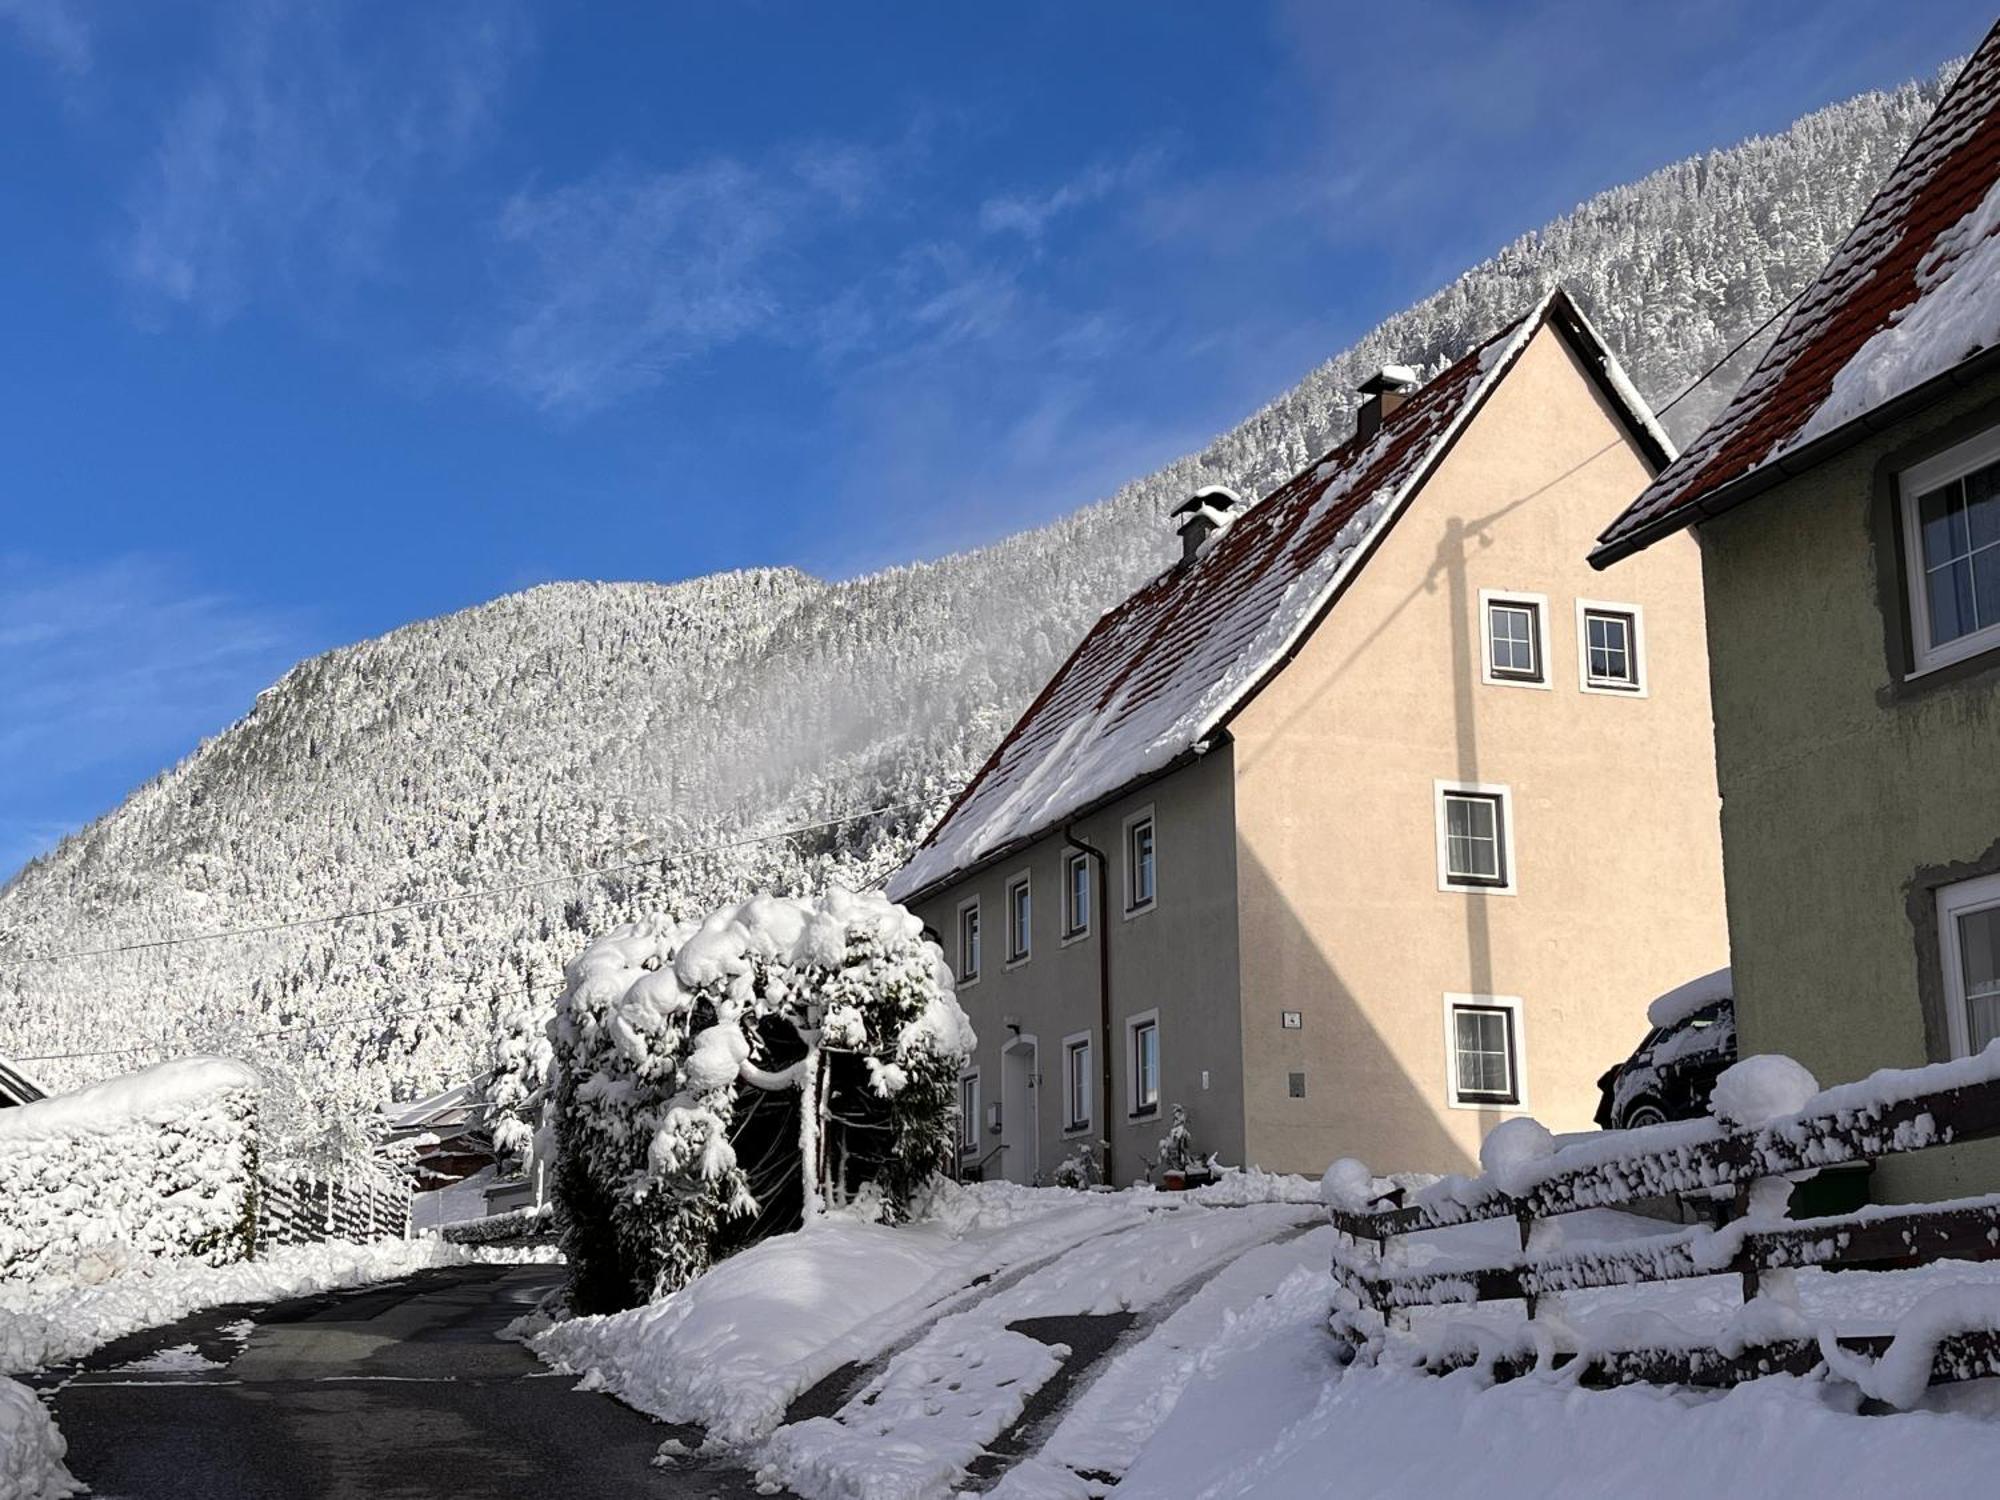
(1156, 678)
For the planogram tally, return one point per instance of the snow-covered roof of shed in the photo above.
(1160, 674)
(1912, 293)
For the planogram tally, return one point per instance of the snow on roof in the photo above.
(1912, 292)
(1677, 1004)
(153, 1096)
(1157, 676)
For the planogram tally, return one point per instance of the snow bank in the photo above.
(62, 1318)
(158, 1164)
(1677, 1004)
(31, 1450)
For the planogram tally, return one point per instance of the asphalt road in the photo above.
(390, 1392)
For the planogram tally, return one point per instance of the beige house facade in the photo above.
(1851, 554)
(1424, 811)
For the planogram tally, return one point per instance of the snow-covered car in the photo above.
(1671, 1073)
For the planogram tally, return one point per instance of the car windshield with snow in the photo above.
(1670, 1074)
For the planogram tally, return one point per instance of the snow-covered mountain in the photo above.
(643, 725)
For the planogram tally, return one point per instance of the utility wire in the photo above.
(1735, 349)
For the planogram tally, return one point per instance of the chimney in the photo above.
(1387, 389)
(1202, 515)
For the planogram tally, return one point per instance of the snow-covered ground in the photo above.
(1220, 1379)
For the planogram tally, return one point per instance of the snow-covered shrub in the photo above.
(1078, 1169)
(161, 1163)
(717, 1082)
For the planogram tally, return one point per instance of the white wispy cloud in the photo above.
(54, 30)
(609, 282)
(293, 154)
(1029, 214)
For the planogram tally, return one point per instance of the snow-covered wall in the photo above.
(159, 1163)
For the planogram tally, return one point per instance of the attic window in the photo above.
(1512, 625)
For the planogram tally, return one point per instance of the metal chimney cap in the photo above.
(1209, 497)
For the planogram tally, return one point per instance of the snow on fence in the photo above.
(1741, 1170)
(306, 1211)
(158, 1163)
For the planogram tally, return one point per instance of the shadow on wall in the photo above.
(1361, 1101)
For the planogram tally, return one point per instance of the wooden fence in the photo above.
(1718, 1166)
(305, 1211)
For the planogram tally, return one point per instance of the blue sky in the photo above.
(319, 318)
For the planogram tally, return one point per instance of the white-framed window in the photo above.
(1077, 1086)
(1611, 648)
(1485, 1052)
(1020, 918)
(968, 1111)
(968, 941)
(1142, 1051)
(1076, 896)
(1951, 546)
(1142, 873)
(1475, 837)
(1512, 633)
(1969, 943)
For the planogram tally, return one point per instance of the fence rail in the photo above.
(308, 1211)
(1894, 1115)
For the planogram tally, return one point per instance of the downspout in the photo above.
(1099, 890)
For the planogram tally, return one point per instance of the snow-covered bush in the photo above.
(718, 1082)
(161, 1163)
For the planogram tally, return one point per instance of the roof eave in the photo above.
(1014, 846)
(1796, 461)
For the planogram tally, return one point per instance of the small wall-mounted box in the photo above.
(1292, 1020)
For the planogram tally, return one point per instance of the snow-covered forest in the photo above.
(672, 730)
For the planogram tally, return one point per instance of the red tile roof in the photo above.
(1161, 673)
(1902, 250)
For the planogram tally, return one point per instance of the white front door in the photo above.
(1019, 1116)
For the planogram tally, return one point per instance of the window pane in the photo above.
(1982, 507)
(1608, 648)
(1986, 586)
(1146, 1063)
(1079, 894)
(1484, 1064)
(1512, 628)
(1018, 937)
(1950, 588)
(1142, 862)
(968, 943)
(1979, 958)
(1472, 843)
(1941, 517)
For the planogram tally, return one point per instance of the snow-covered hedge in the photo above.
(158, 1163)
(719, 1081)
